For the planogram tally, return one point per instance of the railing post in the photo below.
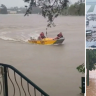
(5, 87)
(5, 75)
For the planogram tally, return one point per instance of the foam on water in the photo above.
(6, 38)
(21, 36)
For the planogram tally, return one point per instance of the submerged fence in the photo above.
(14, 83)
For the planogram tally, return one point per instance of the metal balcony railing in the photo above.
(14, 83)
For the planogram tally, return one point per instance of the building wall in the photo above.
(12, 12)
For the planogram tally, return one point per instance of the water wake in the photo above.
(21, 37)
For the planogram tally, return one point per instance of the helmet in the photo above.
(60, 33)
(42, 33)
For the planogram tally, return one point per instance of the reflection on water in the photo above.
(91, 89)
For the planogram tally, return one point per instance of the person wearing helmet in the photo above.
(59, 36)
(42, 36)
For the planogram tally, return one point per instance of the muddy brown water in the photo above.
(52, 68)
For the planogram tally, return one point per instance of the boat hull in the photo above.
(47, 41)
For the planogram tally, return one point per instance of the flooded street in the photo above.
(89, 38)
(91, 28)
(52, 68)
(90, 90)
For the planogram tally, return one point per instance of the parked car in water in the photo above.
(88, 32)
(87, 22)
(94, 28)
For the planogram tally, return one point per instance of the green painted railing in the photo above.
(5, 86)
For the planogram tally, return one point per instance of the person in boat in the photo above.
(59, 36)
(42, 36)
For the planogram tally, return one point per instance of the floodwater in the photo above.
(51, 67)
(91, 9)
(90, 27)
(91, 89)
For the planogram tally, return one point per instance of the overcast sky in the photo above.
(19, 3)
(90, 0)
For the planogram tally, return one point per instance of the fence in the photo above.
(14, 83)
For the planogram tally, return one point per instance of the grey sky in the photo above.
(19, 3)
(90, 0)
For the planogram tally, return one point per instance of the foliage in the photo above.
(81, 68)
(53, 8)
(80, 88)
(50, 8)
(77, 9)
(91, 58)
(3, 10)
(74, 9)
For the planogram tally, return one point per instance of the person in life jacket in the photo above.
(59, 36)
(42, 36)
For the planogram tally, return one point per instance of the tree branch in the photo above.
(51, 11)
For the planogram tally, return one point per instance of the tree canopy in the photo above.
(91, 58)
(50, 8)
(81, 68)
(3, 9)
(75, 9)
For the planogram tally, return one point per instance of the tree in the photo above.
(4, 9)
(50, 8)
(77, 9)
(90, 62)
(81, 69)
(91, 59)
(53, 8)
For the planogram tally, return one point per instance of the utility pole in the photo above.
(87, 64)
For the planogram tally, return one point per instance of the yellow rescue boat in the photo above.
(47, 41)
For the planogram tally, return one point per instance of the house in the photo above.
(11, 12)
